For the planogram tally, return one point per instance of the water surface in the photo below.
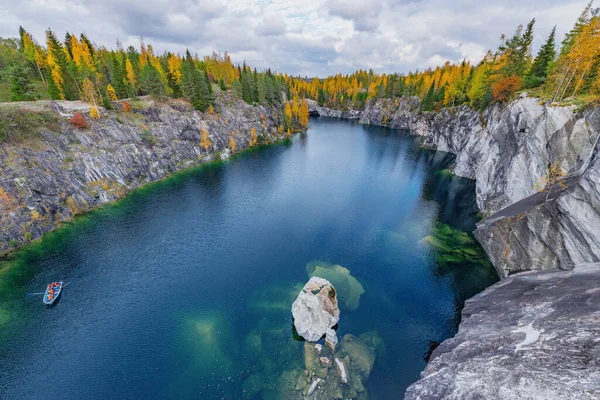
(184, 288)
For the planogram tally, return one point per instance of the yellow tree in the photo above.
(94, 113)
(130, 75)
(175, 63)
(205, 141)
(253, 137)
(304, 113)
(33, 52)
(232, 142)
(81, 54)
(287, 115)
(111, 93)
(88, 92)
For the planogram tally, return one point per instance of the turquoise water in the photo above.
(184, 288)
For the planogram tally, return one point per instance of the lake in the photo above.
(184, 288)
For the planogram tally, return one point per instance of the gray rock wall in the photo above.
(531, 336)
(46, 180)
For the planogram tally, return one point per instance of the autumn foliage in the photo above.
(78, 121)
(126, 107)
(503, 89)
(94, 113)
(232, 142)
(205, 141)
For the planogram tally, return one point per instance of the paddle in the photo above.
(37, 294)
(71, 281)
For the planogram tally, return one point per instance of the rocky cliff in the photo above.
(534, 335)
(507, 149)
(59, 170)
(531, 336)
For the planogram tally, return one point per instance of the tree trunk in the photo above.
(562, 96)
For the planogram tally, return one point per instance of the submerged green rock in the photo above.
(452, 245)
(348, 287)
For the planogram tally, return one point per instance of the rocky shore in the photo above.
(58, 171)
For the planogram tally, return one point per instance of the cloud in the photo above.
(363, 13)
(272, 25)
(308, 38)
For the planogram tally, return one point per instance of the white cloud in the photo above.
(318, 37)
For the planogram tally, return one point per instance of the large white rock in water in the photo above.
(315, 309)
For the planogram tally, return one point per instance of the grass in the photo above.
(21, 125)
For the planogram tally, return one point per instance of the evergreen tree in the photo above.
(118, 78)
(63, 85)
(68, 44)
(429, 100)
(20, 83)
(150, 81)
(541, 66)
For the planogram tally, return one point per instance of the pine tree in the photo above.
(541, 66)
(428, 100)
(119, 80)
(20, 83)
(150, 81)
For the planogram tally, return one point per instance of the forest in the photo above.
(553, 74)
(76, 69)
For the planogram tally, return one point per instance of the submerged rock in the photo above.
(313, 386)
(342, 370)
(348, 287)
(315, 309)
(361, 356)
(331, 339)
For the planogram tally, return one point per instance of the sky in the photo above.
(306, 38)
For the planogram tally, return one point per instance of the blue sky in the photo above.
(309, 38)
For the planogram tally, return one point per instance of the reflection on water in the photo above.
(184, 289)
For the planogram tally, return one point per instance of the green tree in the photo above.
(541, 66)
(150, 81)
(429, 99)
(63, 86)
(20, 83)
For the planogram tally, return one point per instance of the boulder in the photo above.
(315, 309)
(331, 339)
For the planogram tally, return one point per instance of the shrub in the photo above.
(148, 138)
(78, 121)
(126, 107)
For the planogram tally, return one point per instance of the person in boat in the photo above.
(50, 297)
